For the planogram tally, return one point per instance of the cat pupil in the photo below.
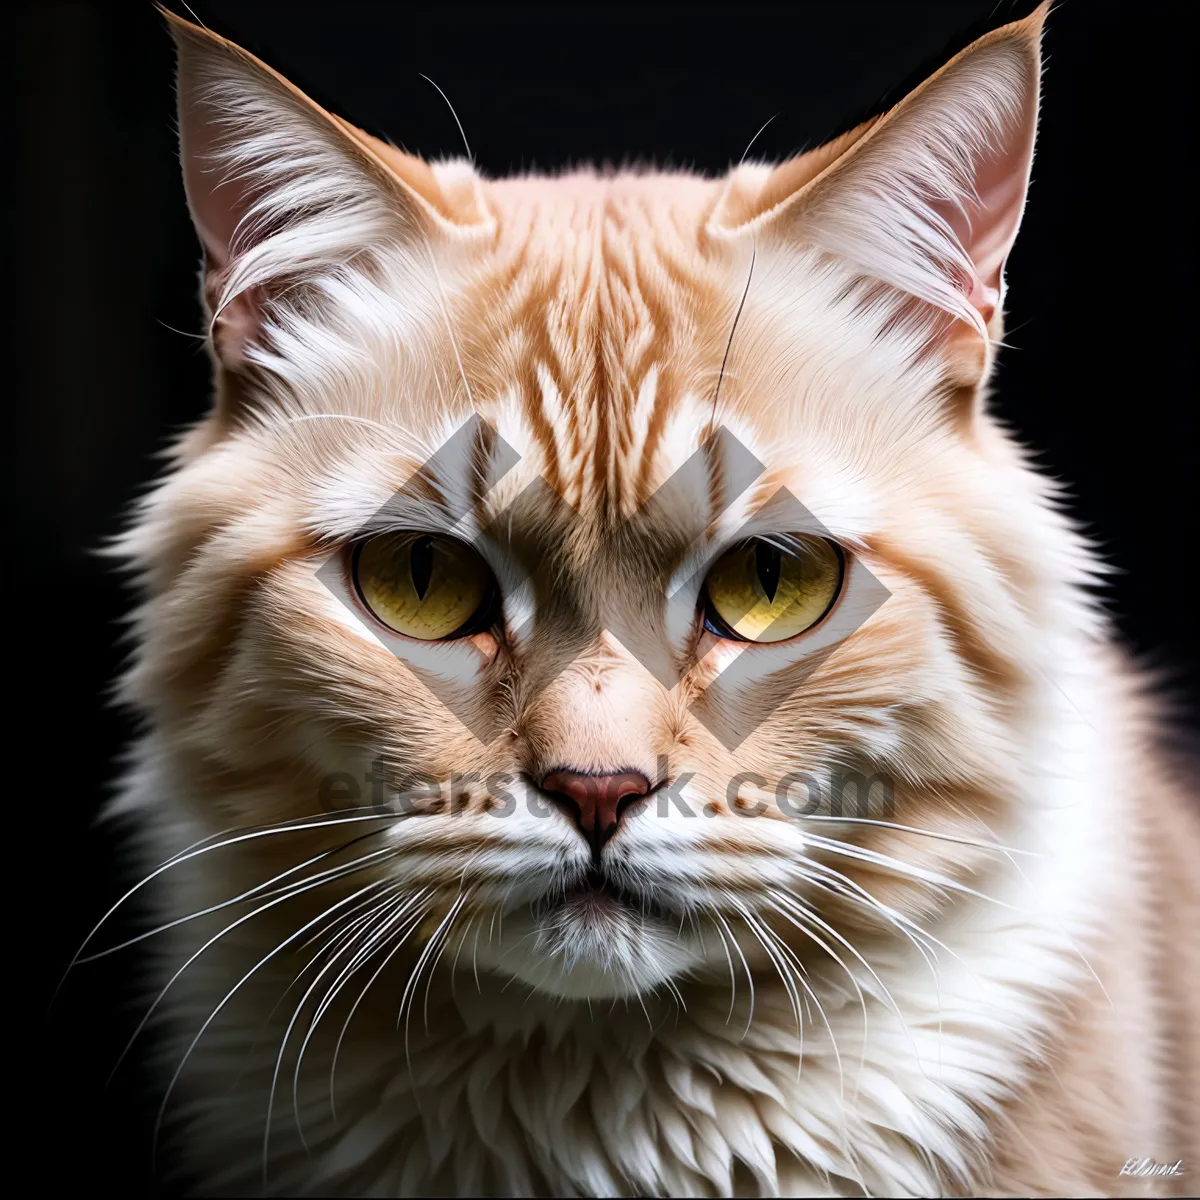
(767, 561)
(420, 560)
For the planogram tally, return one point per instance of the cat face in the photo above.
(567, 543)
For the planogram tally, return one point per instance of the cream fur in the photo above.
(976, 992)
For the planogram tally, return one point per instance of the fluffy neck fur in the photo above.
(880, 1008)
(899, 1083)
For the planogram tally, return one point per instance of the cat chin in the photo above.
(591, 951)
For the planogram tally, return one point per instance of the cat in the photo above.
(553, 542)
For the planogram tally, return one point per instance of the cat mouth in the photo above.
(597, 935)
(596, 892)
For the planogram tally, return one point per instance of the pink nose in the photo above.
(596, 802)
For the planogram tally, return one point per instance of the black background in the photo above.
(1097, 379)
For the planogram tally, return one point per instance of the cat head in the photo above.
(575, 539)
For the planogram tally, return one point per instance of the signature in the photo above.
(1147, 1166)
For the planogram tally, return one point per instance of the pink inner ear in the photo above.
(255, 147)
(984, 298)
(989, 227)
(237, 323)
(217, 202)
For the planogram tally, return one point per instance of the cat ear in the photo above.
(926, 198)
(282, 191)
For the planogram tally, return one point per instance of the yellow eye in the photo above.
(422, 585)
(758, 592)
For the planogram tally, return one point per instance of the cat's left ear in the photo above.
(284, 195)
(926, 198)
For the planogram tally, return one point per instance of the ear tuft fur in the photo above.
(283, 193)
(928, 197)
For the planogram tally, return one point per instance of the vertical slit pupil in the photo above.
(767, 561)
(420, 564)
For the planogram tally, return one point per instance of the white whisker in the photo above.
(233, 991)
(349, 869)
(397, 946)
(287, 1033)
(714, 912)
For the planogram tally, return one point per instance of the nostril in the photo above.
(595, 801)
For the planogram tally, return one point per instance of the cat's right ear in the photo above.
(925, 199)
(283, 192)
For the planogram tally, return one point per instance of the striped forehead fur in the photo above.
(796, 1003)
